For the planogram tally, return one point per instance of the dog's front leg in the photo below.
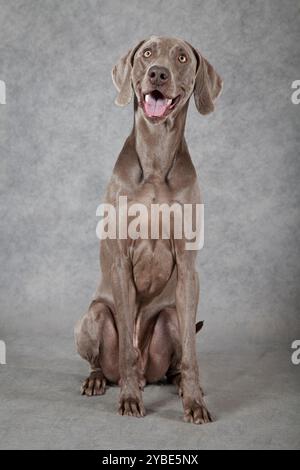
(131, 403)
(187, 294)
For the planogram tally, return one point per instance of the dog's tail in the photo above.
(199, 326)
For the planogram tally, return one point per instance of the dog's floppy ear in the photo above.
(121, 75)
(208, 85)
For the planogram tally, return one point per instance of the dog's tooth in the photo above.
(147, 98)
(169, 102)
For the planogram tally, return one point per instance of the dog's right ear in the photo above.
(121, 76)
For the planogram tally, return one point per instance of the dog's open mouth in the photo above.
(157, 105)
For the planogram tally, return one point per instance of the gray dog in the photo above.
(140, 327)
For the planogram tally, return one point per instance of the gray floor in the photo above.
(254, 395)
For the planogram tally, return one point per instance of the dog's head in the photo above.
(164, 73)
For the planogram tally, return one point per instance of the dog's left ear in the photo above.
(208, 85)
(121, 75)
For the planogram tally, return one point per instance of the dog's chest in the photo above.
(153, 264)
(152, 256)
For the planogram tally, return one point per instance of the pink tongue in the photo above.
(155, 107)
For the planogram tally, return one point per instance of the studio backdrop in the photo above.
(60, 135)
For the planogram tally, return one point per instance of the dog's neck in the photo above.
(158, 144)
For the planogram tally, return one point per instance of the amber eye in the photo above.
(147, 53)
(182, 58)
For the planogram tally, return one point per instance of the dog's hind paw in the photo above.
(94, 385)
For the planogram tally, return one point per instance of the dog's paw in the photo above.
(196, 412)
(94, 385)
(131, 405)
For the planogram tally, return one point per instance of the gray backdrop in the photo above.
(60, 134)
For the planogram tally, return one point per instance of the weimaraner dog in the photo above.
(140, 327)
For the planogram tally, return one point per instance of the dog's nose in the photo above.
(158, 75)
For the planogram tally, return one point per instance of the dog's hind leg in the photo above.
(164, 352)
(97, 342)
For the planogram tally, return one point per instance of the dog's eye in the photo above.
(182, 58)
(147, 53)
